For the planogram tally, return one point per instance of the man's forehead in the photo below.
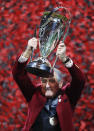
(57, 75)
(47, 78)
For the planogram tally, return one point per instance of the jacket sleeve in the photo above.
(23, 80)
(76, 86)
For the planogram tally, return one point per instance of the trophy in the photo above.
(53, 28)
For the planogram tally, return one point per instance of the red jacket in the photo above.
(36, 101)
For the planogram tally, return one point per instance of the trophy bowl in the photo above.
(40, 68)
(53, 28)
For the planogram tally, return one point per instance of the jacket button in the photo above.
(59, 100)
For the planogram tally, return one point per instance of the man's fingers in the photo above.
(60, 52)
(33, 43)
(61, 49)
(61, 43)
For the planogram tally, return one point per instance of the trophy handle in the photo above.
(63, 39)
(32, 54)
(34, 35)
(55, 61)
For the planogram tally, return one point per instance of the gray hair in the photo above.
(58, 74)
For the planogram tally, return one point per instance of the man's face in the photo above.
(49, 87)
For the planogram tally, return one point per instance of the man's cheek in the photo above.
(55, 89)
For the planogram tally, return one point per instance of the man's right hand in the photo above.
(32, 43)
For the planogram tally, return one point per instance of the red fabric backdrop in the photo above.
(17, 23)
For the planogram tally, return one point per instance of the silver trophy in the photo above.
(53, 28)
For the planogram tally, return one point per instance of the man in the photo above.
(50, 106)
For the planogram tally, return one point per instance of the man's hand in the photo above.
(61, 52)
(32, 43)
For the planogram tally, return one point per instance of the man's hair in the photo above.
(58, 74)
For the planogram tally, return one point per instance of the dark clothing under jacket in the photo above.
(67, 99)
(42, 122)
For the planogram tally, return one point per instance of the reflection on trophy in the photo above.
(53, 28)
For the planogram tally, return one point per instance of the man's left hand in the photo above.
(61, 51)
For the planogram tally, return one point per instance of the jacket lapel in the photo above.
(35, 106)
(64, 113)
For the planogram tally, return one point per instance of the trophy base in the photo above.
(39, 68)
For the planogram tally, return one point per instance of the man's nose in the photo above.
(47, 85)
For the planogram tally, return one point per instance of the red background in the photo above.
(17, 24)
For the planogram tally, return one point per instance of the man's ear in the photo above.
(60, 84)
